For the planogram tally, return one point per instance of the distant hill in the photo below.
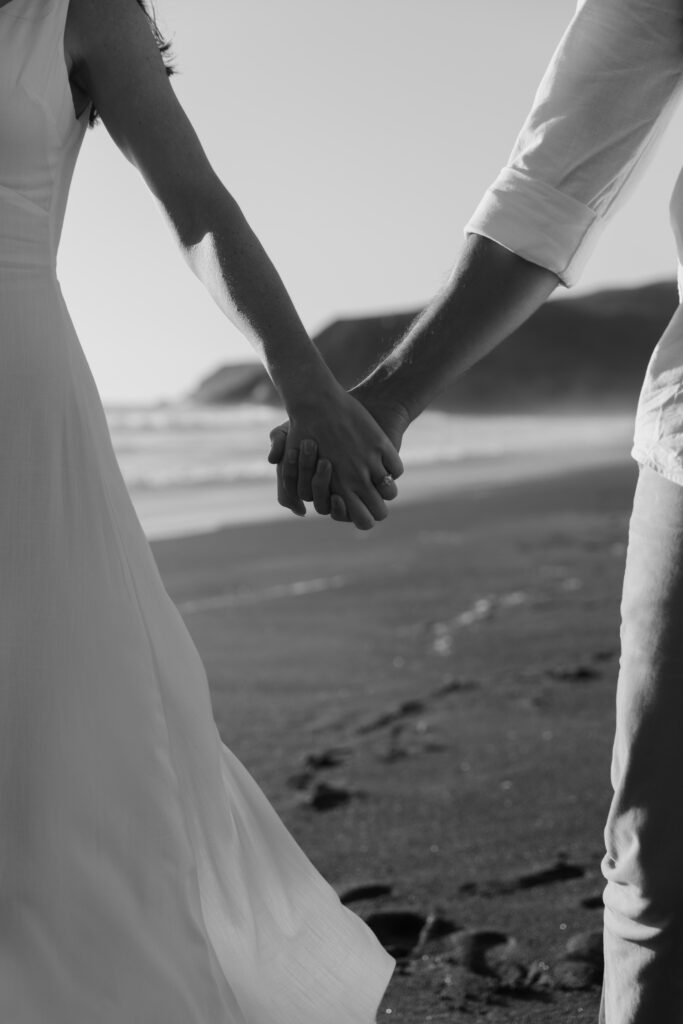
(575, 352)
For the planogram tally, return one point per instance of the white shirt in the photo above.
(605, 98)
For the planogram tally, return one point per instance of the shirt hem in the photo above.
(530, 217)
(648, 459)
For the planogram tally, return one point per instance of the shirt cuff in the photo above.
(538, 223)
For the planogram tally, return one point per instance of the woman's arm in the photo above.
(117, 62)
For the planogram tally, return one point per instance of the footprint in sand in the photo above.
(329, 758)
(415, 706)
(455, 686)
(332, 757)
(405, 734)
(575, 673)
(405, 932)
(404, 741)
(470, 948)
(560, 871)
(405, 709)
(359, 891)
(607, 654)
(325, 796)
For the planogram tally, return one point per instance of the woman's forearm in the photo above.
(225, 254)
(490, 293)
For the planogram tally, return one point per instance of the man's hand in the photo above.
(305, 475)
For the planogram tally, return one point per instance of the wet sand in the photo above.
(430, 708)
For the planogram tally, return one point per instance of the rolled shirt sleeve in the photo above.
(606, 96)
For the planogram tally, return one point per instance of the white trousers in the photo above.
(643, 863)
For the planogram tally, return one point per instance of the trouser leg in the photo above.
(643, 863)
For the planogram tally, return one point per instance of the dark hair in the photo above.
(164, 47)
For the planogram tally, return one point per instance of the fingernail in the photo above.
(292, 455)
(308, 447)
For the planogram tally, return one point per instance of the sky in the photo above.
(357, 137)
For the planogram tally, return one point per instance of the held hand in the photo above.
(347, 436)
(314, 474)
(314, 480)
(303, 476)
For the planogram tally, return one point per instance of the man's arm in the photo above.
(490, 293)
(604, 100)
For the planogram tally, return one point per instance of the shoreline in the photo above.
(180, 512)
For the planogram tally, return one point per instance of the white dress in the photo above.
(144, 877)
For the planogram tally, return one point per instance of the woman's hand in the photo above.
(305, 469)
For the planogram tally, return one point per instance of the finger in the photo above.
(290, 473)
(338, 509)
(320, 486)
(384, 484)
(361, 517)
(308, 457)
(392, 461)
(278, 443)
(283, 497)
(372, 501)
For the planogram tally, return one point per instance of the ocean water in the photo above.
(177, 455)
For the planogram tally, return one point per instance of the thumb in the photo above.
(392, 461)
(278, 443)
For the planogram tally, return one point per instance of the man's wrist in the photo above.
(375, 393)
(389, 412)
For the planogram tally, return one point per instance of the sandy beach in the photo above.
(430, 708)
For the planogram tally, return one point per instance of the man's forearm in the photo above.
(490, 293)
